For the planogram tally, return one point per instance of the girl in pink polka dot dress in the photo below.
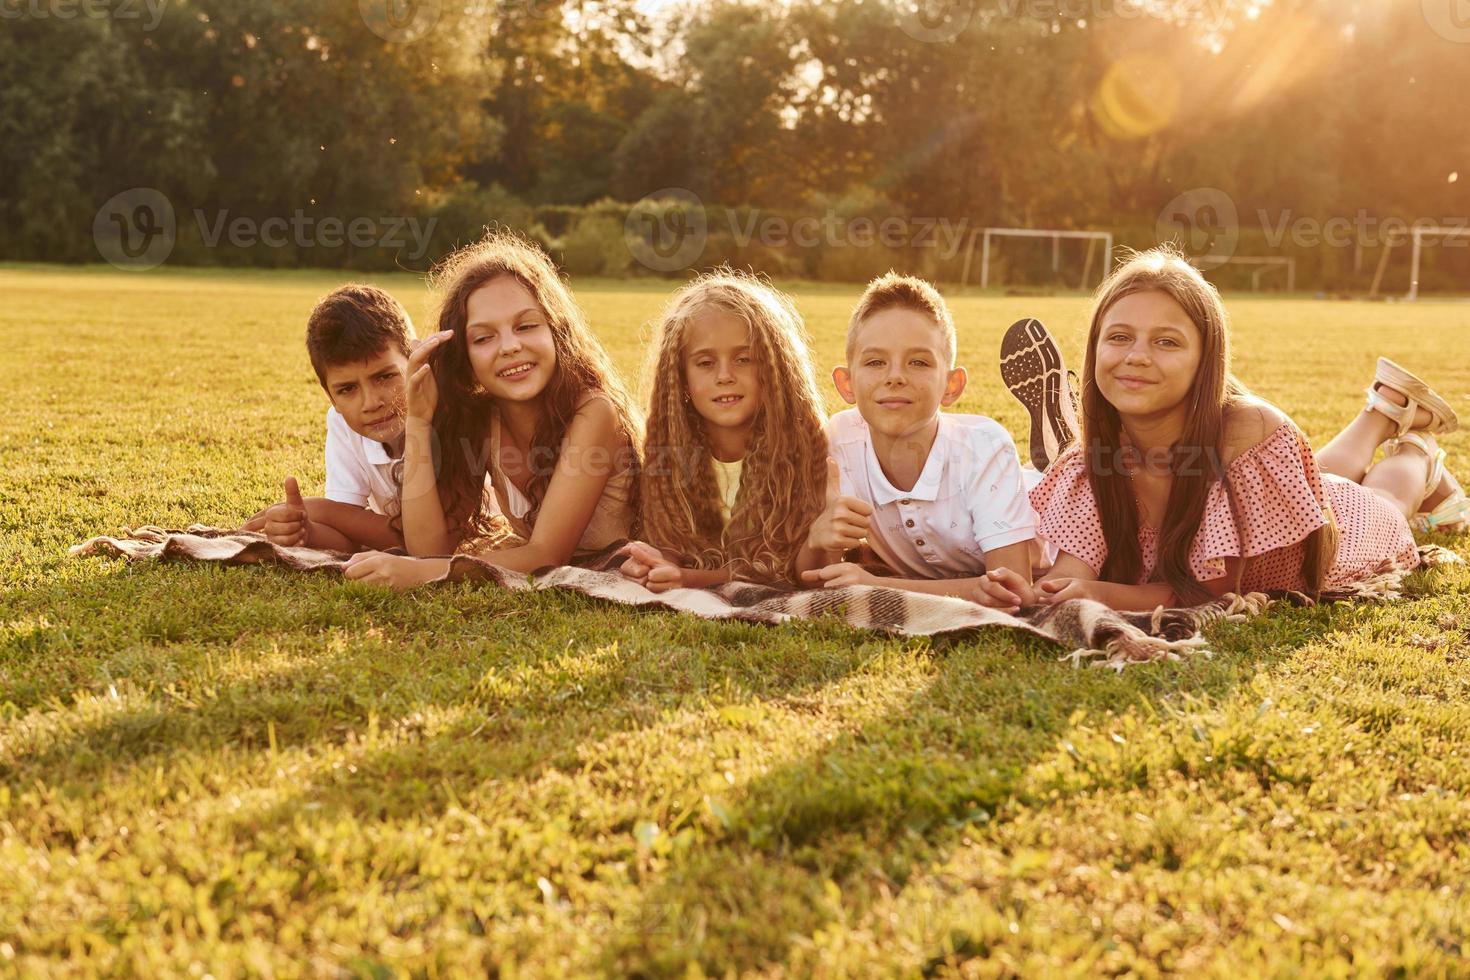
(1184, 486)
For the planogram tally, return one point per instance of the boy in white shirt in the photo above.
(939, 498)
(358, 339)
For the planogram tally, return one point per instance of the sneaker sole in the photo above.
(1031, 367)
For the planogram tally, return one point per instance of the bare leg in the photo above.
(1350, 452)
(1400, 478)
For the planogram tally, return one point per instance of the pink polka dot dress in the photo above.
(1281, 497)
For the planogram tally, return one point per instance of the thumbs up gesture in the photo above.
(287, 524)
(844, 522)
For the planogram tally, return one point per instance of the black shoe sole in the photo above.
(1032, 368)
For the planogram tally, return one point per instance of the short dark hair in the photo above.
(353, 323)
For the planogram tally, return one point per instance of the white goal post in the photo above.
(986, 234)
(1262, 263)
(1419, 232)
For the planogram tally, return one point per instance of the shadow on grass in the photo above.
(899, 792)
(529, 678)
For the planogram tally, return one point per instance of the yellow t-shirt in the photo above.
(727, 479)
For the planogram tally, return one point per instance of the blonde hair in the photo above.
(783, 479)
(892, 291)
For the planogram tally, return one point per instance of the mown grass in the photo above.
(239, 771)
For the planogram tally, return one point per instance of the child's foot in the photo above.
(1032, 368)
(1446, 508)
(1421, 419)
(1409, 403)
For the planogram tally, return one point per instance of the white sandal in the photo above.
(1418, 395)
(1453, 512)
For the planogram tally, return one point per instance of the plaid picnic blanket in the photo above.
(1088, 631)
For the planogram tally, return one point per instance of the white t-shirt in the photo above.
(969, 499)
(359, 469)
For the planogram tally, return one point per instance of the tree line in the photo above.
(1318, 128)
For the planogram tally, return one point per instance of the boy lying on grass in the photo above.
(358, 339)
(938, 497)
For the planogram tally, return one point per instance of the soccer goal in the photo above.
(1260, 266)
(1421, 232)
(1094, 239)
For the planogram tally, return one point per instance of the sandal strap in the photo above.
(1402, 416)
(1437, 472)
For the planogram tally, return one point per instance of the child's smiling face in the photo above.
(898, 377)
(369, 394)
(1148, 353)
(508, 339)
(720, 373)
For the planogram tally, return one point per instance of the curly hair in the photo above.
(783, 478)
(462, 418)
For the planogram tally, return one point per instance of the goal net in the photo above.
(1069, 259)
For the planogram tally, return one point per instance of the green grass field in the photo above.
(241, 771)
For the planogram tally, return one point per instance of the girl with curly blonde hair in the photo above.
(735, 452)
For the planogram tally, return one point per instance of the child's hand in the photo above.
(836, 576)
(286, 524)
(1055, 590)
(641, 558)
(423, 389)
(647, 566)
(393, 571)
(844, 523)
(1004, 588)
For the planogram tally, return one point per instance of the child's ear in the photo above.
(842, 378)
(954, 386)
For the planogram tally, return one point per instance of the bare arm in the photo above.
(575, 489)
(425, 530)
(356, 527)
(1071, 578)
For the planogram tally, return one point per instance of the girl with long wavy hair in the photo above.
(518, 404)
(1184, 486)
(735, 451)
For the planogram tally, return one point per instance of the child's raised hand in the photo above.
(423, 389)
(1003, 588)
(844, 523)
(287, 524)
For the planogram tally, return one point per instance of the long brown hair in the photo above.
(1197, 459)
(784, 473)
(462, 418)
